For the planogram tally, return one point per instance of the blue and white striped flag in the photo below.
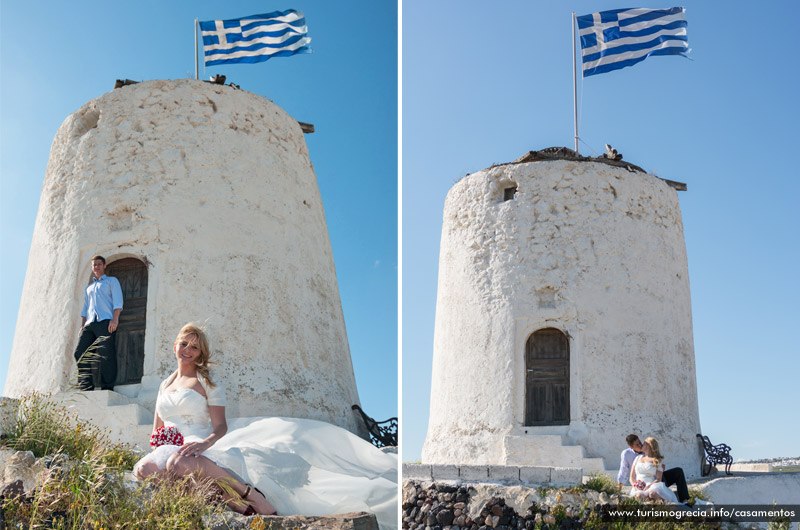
(255, 38)
(611, 40)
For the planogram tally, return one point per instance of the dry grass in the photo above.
(85, 487)
(602, 483)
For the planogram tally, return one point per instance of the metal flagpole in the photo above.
(574, 83)
(196, 58)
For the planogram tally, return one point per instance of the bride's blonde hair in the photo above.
(203, 360)
(655, 451)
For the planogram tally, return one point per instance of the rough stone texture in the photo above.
(345, 521)
(506, 507)
(19, 465)
(419, 471)
(472, 506)
(213, 188)
(468, 473)
(446, 472)
(543, 476)
(756, 488)
(565, 475)
(504, 473)
(593, 250)
(534, 475)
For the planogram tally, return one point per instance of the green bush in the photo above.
(602, 483)
(45, 428)
(86, 488)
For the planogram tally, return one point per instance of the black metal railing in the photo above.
(381, 433)
(714, 455)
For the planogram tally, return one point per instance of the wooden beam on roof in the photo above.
(307, 128)
(680, 186)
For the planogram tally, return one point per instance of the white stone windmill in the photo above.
(563, 317)
(204, 202)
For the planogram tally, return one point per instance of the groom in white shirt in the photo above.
(669, 477)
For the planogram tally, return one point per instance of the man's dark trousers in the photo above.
(675, 476)
(104, 352)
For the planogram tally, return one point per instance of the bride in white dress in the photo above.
(303, 467)
(646, 475)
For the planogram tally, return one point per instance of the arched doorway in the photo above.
(132, 276)
(547, 378)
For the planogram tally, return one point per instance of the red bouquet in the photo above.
(166, 436)
(639, 484)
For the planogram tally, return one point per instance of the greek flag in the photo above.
(611, 40)
(255, 38)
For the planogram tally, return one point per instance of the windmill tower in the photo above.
(204, 202)
(563, 318)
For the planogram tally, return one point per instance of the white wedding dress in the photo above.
(303, 467)
(646, 472)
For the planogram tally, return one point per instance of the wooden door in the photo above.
(547, 378)
(132, 276)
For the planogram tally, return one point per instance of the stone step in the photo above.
(594, 465)
(125, 422)
(97, 397)
(130, 391)
(548, 450)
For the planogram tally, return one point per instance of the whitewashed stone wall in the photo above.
(214, 189)
(594, 250)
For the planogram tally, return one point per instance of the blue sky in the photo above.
(55, 59)
(484, 83)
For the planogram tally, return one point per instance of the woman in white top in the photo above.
(192, 381)
(646, 474)
(304, 467)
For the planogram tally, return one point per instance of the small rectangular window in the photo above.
(509, 193)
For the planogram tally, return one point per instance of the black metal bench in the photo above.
(381, 433)
(713, 455)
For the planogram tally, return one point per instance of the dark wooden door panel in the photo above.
(560, 397)
(549, 343)
(134, 366)
(539, 403)
(132, 276)
(133, 314)
(547, 378)
(544, 371)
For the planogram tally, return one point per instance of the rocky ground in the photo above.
(347, 521)
(472, 506)
(436, 506)
(21, 474)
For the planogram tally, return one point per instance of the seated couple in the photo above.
(270, 465)
(643, 465)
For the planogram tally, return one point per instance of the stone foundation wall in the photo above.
(545, 476)
(473, 506)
